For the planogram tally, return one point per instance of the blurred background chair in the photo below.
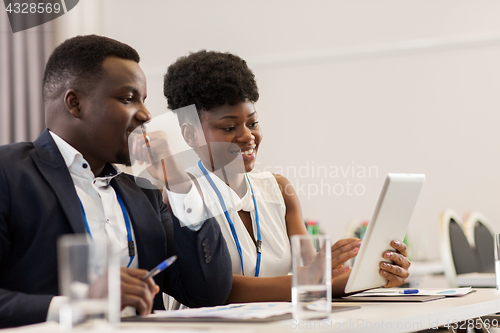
(478, 231)
(461, 262)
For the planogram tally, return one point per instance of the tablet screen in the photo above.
(389, 221)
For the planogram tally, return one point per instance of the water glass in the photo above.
(312, 279)
(89, 276)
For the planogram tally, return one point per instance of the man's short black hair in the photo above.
(79, 60)
(209, 79)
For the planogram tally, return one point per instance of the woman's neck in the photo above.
(236, 181)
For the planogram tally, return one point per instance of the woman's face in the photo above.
(233, 135)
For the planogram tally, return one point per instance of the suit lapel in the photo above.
(52, 167)
(145, 222)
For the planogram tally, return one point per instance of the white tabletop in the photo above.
(382, 316)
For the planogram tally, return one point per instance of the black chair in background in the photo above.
(468, 257)
(479, 232)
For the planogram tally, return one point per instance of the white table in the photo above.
(382, 317)
(371, 317)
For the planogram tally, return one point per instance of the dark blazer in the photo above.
(38, 203)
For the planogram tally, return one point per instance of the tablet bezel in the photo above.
(389, 221)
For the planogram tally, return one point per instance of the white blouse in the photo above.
(276, 256)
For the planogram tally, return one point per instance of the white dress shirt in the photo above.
(104, 215)
(276, 258)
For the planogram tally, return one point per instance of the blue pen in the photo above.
(162, 266)
(405, 291)
(409, 291)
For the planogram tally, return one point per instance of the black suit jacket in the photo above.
(38, 203)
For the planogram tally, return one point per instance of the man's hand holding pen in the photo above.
(136, 292)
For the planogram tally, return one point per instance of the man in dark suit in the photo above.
(94, 93)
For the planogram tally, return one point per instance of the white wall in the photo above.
(398, 86)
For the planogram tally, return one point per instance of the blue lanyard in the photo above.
(131, 248)
(231, 225)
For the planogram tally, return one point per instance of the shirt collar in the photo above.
(68, 153)
(77, 164)
(230, 197)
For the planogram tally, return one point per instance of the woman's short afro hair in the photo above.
(209, 79)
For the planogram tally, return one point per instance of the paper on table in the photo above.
(231, 311)
(421, 292)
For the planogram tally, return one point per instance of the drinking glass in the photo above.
(89, 276)
(311, 280)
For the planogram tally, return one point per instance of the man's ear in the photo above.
(189, 134)
(72, 102)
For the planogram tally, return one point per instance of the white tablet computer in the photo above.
(389, 222)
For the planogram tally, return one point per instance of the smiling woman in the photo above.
(236, 125)
(257, 212)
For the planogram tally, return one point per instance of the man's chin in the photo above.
(122, 158)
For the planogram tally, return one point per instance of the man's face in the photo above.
(112, 110)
